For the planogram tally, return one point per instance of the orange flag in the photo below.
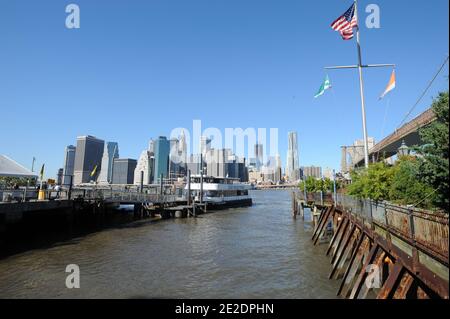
(390, 86)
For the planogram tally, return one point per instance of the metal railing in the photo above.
(111, 195)
(88, 194)
(425, 229)
(30, 194)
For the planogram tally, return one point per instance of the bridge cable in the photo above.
(424, 92)
(388, 104)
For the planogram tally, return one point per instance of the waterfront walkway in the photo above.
(379, 249)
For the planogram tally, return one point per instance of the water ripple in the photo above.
(254, 252)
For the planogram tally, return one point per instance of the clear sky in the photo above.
(136, 69)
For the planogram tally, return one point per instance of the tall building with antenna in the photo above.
(110, 153)
(292, 163)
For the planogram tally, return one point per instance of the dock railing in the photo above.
(110, 195)
(88, 194)
(426, 230)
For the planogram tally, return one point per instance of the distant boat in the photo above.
(221, 192)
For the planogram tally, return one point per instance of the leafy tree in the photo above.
(311, 185)
(315, 185)
(406, 188)
(373, 183)
(328, 185)
(434, 166)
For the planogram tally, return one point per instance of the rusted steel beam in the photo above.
(336, 235)
(434, 285)
(419, 216)
(324, 224)
(343, 252)
(439, 287)
(346, 234)
(348, 253)
(355, 253)
(431, 280)
(341, 236)
(421, 294)
(391, 284)
(358, 266)
(323, 212)
(405, 287)
(429, 283)
(362, 275)
(378, 263)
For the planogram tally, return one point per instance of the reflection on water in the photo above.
(253, 252)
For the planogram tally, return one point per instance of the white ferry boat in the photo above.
(220, 192)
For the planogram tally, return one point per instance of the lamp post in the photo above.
(403, 150)
(334, 188)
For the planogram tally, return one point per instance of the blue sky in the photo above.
(136, 69)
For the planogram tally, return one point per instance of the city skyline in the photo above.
(267, 69)
(169, 158)
(224, 150)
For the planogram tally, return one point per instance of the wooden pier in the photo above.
(24, 218)
(378, 250)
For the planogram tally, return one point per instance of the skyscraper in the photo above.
(174, 158)
(271, 172)
(110, 153)
(205, 145)
(162, 152)
(182, 151)
(145, 166)
(194, 164)
(69, 164)
(151, 146)
(123, 171)
(278, 169)
(217, 162)
(89, 153)
(59, 176)
(292, 168)
(259, 155)
(311, 171)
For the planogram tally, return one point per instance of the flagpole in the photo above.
(361, 87)
(360, 67)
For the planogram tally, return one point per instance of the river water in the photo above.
(253, 252)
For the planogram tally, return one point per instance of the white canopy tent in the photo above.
(10, 168)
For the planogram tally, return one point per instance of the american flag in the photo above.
(345, 23)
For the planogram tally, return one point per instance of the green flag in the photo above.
(325, 86)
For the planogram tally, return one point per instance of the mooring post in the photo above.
(161, 185)
(302, 210)
(70, 187)
(201, 178)
(294, 205)
(304, 190)
(189, 187)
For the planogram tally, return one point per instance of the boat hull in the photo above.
(245, 202)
